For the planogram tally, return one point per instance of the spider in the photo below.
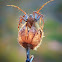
(31, 19)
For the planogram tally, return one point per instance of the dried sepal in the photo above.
(32, 32)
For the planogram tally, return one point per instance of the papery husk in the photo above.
(32, 38)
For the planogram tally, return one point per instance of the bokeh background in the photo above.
(51, 47)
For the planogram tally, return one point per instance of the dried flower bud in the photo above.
(29, 37)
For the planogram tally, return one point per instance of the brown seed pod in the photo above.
(31, 39)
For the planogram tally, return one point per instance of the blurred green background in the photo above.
(51, 47)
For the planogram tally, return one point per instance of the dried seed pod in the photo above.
(33, 37)
(31, 34)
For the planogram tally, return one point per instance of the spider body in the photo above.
(32, 18)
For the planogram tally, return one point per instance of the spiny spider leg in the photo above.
(17, 8)
(41, 19)
(44, 5)
(37, 15)
(38, 26)
(43, 23)
(20, 22)
(40, 22)
(23, 25)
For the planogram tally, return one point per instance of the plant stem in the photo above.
(28, 54)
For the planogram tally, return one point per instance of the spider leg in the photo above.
(37, 15)
(17, 8)
(43, 22)
(23, 25)
(40, 23)
(44, 5)
(38, 26)
(20, 22)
